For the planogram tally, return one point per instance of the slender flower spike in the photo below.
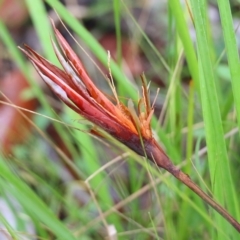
(74, 87)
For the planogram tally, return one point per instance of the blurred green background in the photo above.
(59, 182)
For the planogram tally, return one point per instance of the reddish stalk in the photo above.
(162, 160)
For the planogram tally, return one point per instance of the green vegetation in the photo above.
(112, 185)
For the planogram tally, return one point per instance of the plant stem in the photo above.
(161, 159)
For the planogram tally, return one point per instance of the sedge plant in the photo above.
(74, 87)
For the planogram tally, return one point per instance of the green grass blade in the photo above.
(117, 19)
(32, 203)
(184, 34)
(42, 25)
(190, 121)
(219, 168)
(231, 50)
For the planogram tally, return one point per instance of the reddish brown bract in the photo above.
(74, 87)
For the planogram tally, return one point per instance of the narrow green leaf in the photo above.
(184, 34)
(32, 203)
(232, 51)
(219, 168)
(117, 19)
(42, 25)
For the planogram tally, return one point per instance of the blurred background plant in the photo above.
(58, 181)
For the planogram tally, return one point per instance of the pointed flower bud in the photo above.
(75, 88)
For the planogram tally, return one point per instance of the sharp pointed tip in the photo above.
(52, 22)
(25, 51)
